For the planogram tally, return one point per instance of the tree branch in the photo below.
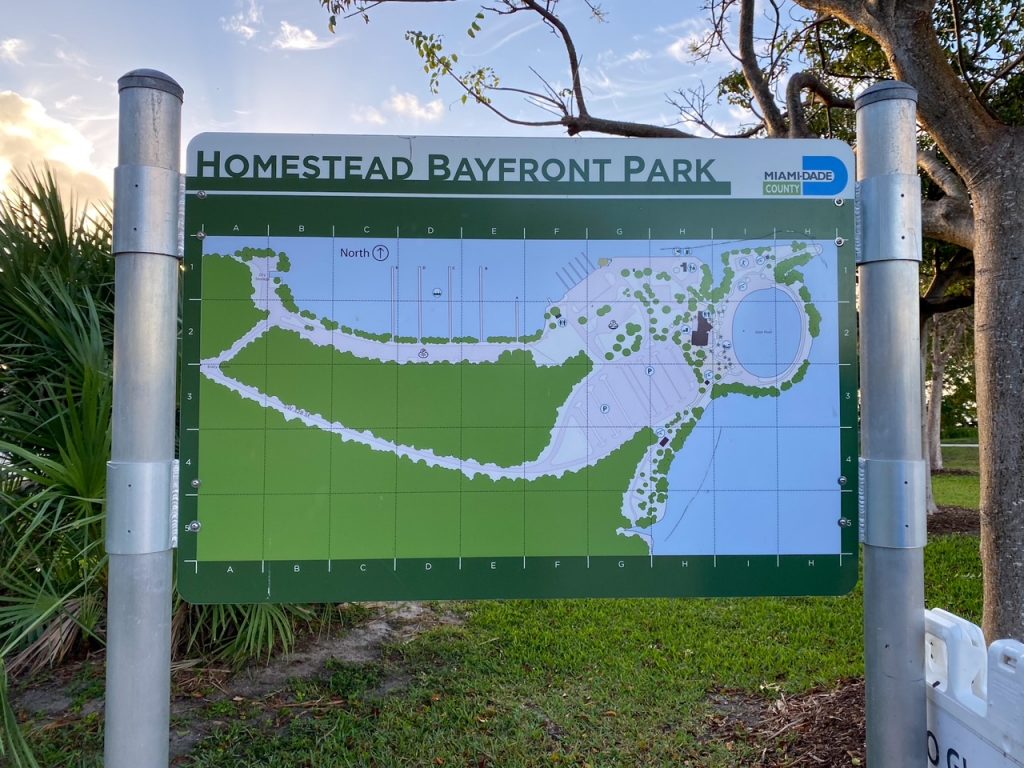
(753, 74)
(570, 49)
(947, 108)
(936, 298)
(931, 307)
(950, 220)
(929, 162)
(800, 82)
(581, 123)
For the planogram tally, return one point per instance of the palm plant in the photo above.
(56, 316)
(56, 331)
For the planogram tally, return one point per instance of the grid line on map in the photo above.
(714, 447)
(516, 335)
(650, 390)
(395, 278)
(586, 345)
(462, 379)
(266, 409)
(775, 340)
(334, 437)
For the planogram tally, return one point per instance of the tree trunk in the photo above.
(999, 361)
(936, 382)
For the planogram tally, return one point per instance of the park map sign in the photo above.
(479, 367)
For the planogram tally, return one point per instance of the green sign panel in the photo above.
(472, 368)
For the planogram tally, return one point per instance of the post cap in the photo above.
(151, 78)
(886, 90)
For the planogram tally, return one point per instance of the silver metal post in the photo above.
(892, 468)
(139, 475)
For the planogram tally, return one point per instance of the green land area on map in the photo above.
(276, 491)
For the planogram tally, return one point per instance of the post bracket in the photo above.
(889, 229)
(134, 488)
(887, 490)
(146, 207)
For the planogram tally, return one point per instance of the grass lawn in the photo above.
(557, 683)
(566, 682)
(960, 458)
(958, 490)
(588, 682)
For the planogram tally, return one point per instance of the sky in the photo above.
(273, 66)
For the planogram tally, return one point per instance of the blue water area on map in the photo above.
(722, 484)
(766, 332)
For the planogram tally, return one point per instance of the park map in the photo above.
(436, 396)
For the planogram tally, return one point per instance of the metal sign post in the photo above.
(140, 473)
(892, 469)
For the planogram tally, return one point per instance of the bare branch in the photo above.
(693, 107)
(570, 49)
(931, 307)
(507, 118)
(753, 74)
(1001, 73)
(582, 123)
(961, 63)
(937, 298)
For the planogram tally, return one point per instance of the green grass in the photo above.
(965, 458)
(956, 490)
(581, 682)
(561, 683)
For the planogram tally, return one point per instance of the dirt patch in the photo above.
(206, 698)
(821, 727)
(954, 520)
(266, 688)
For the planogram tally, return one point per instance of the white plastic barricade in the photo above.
(975, 696)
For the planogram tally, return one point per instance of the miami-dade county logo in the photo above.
(819, 175)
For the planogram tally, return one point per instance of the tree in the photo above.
(945, 341)
(965, 60)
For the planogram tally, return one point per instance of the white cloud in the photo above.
(30, 136)
(68, 102)
(408, 105)
(246, 22)
(72, 58)
(292, 38)
(681, 49)
(613, 59)
(11, 49)
(692, 25)
(370, 116)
